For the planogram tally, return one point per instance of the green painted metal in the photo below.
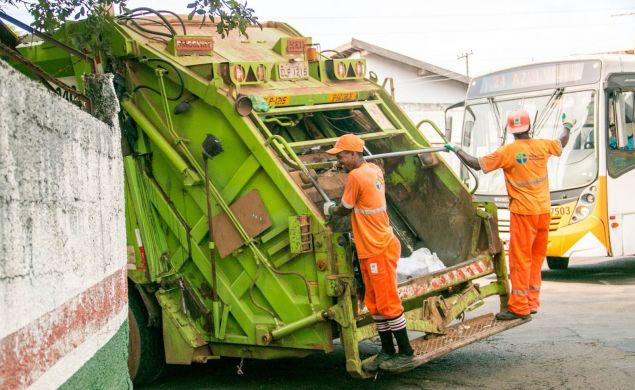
(288, 290)
(288, 329)
(434, 126)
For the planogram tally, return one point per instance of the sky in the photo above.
(498, 33)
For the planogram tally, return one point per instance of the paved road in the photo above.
(583, 338)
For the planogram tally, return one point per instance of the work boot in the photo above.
(399, 363)
(533, 311)
(508, 316)
(373, 365)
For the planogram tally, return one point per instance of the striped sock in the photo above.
(385, 335)
(397, 323)
(398, 328)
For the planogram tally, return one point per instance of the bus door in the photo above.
(620, 164)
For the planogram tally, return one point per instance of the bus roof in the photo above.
(558, 73)
(608, 61)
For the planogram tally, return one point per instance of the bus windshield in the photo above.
(483, 132)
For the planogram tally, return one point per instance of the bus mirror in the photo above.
(467, 133)
(448, 119)
(448, 127)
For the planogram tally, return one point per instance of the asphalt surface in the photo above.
(583, 338)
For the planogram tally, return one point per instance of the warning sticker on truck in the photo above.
(342, 97)
(278, 100)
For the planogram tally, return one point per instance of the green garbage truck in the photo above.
(224, 140)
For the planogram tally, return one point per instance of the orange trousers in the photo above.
(527, 251)
(380, 281)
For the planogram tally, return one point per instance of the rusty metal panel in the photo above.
(252, 215)
(300, 236)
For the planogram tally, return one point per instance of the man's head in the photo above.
(517, 122)
(349, 150)
(612, 130)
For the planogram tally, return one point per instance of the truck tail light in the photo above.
(341, 70)
(239, 73)
(311, 54)
(359, 69)
(260, 72)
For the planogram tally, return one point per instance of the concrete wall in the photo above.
(63, 286)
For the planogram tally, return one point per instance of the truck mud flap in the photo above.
(460, 335)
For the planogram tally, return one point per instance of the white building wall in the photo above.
(411, 88)
(422, 97)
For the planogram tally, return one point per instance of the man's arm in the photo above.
(470, 160)
(567, 124)
(331, 208)
(341, 211)
(564, 136)
(467, 158)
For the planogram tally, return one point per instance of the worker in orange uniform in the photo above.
(524, 163)
(378, 250)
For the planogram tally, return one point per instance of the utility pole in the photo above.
(625, 14)
(466, 55)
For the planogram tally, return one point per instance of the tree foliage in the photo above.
(50, 15)
(231, 14)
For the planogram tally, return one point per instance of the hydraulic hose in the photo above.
(178, 74)
(469, 170)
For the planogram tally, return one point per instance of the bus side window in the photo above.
(621, 143)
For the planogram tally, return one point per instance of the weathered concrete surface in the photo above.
(62, 237)
(583, 338)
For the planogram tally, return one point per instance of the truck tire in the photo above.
(146, 359)
(558, 262)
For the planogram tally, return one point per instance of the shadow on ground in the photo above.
(617, 271)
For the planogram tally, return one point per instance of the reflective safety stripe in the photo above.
(348, 206)
(378, 317)
(520, 292)
(532, 288)
(372, 211)
(527, 183)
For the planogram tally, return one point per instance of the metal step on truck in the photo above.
(225, 176)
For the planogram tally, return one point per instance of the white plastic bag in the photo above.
(421, 262)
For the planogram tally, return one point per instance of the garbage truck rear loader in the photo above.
(226, 173)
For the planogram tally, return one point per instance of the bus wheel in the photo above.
(558, 262)
(146, 358)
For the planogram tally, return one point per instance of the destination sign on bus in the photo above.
(535, 77)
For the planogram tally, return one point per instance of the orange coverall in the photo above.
(377, 247)
(524, 163)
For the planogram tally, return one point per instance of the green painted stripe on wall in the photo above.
(107, 369)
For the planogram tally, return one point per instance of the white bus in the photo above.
(592, 183)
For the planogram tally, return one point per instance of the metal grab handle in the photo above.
(405, 153)
(435, 127)
(289, 151)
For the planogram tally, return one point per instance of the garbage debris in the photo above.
(420, 262)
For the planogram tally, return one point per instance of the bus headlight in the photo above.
(585, 205)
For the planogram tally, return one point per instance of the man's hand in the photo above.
(567, 123)
(328, 208)
(451, 148)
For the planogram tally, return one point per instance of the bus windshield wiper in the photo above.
(546, 111)
(494, 108)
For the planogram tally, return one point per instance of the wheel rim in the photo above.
(134, 345)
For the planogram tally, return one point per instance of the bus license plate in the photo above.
(293, 70)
